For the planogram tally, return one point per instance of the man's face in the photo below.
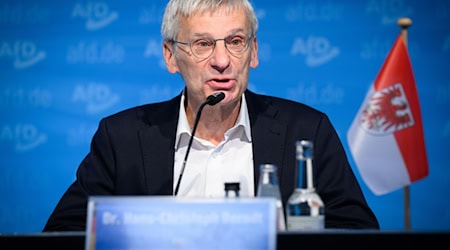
(221, 71)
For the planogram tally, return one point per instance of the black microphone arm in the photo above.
(211, 100)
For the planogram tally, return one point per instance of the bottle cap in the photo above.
(232, 186)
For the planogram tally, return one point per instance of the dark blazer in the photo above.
(132, 153)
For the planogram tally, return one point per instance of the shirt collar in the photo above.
(184, 128)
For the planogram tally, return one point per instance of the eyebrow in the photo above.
(232, 32)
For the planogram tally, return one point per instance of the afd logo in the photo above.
(25, 98)
(97, 14)
(317, 50)
(313, 12)
(389, 10)
(23, 53)
(97, 97)
(23, 136)
(317, 93)
(96, 53)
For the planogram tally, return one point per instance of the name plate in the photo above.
(167, 222)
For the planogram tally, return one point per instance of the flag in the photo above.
(386, 136)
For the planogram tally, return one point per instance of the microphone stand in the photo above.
(210, 100)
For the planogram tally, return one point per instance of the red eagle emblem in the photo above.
(387, 111)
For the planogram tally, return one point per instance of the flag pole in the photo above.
(404, 23)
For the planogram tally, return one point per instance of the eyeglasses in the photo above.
(203, 47)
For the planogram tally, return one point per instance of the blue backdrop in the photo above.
(66, 64)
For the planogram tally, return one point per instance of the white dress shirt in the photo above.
(209, 167)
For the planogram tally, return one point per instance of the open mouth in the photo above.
(221, 80)
(221, 84)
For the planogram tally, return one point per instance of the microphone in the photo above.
(211, 100)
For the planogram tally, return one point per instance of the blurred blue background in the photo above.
(66, 64)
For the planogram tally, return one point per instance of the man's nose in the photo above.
(220, 59)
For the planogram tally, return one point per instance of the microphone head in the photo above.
(215, 98)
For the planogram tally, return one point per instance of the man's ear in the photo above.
(254, 54)
(169, 57)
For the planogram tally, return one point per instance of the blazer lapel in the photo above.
(158, 141)
(268, 134)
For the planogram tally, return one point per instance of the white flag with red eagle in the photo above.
(386, 137)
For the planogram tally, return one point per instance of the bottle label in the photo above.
(304, 223)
